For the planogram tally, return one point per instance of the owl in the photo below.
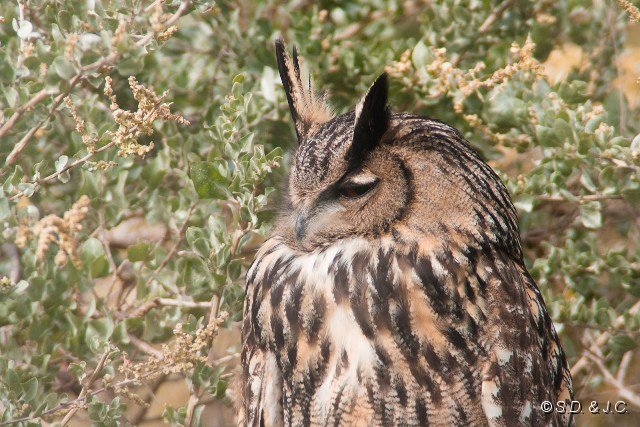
(393, 289)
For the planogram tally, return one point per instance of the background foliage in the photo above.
(129, 214)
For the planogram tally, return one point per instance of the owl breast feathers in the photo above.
(393, 290)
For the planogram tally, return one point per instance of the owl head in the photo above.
(371, 173)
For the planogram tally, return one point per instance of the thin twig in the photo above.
(192, 404)
(168, 302)
(624, 392)
(491, 19)
(78, 162)
(355, 28)
(105, 241)
(624, 366)
(81, 400)
(585, 198)
(174, 248)
(55, 175)
(602, 328)
(141, 310)
(196, 394)
(145, 346)
(139, 413)
(17, 149)
(86, 387)
(582, 363)
(225, 359)
(6, 127)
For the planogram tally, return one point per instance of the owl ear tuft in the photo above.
(308, 109)
(372, 119)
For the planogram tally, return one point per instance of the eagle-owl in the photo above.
(393, 289)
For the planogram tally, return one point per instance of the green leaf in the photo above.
(92, 255)
(574, 92)
(525, 202)
(195, 275)
(78, 369)
(20, 287)
(420, 55)
(30, 389)
(63, 68)
(620, 344)
(100, 328)
(5, 209)
(591, 214)
(12, 381)
(23, 28)
(546, 136)
(138, 252)
(563, 130)
(61, 162)
(268, 84)
(208, 181)
(506, 111)
(27, 188)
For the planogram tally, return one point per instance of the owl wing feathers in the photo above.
(261, 393)
(525, 364)
(262, 390)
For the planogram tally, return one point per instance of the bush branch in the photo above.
(6, 127)
(87, 386)
(55, 175)
(108, 60)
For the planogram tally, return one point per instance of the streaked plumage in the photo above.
(393, 290)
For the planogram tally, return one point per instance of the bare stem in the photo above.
(624, 392)
(582, 363)
(6, 127)
(585, 198)
(86, 387)
(17, 149)
(55, 175)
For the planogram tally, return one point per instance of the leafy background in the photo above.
(129, 215)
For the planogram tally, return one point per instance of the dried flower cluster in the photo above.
(444, 78)
(402, 66)
(6, 284)
(634, 13)
(100, 165)
(157, 20)
(119, 33)
(88, 140)
(71, 43)
(133, 124)
(55, 230)
(181, 356)
(166, 34)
